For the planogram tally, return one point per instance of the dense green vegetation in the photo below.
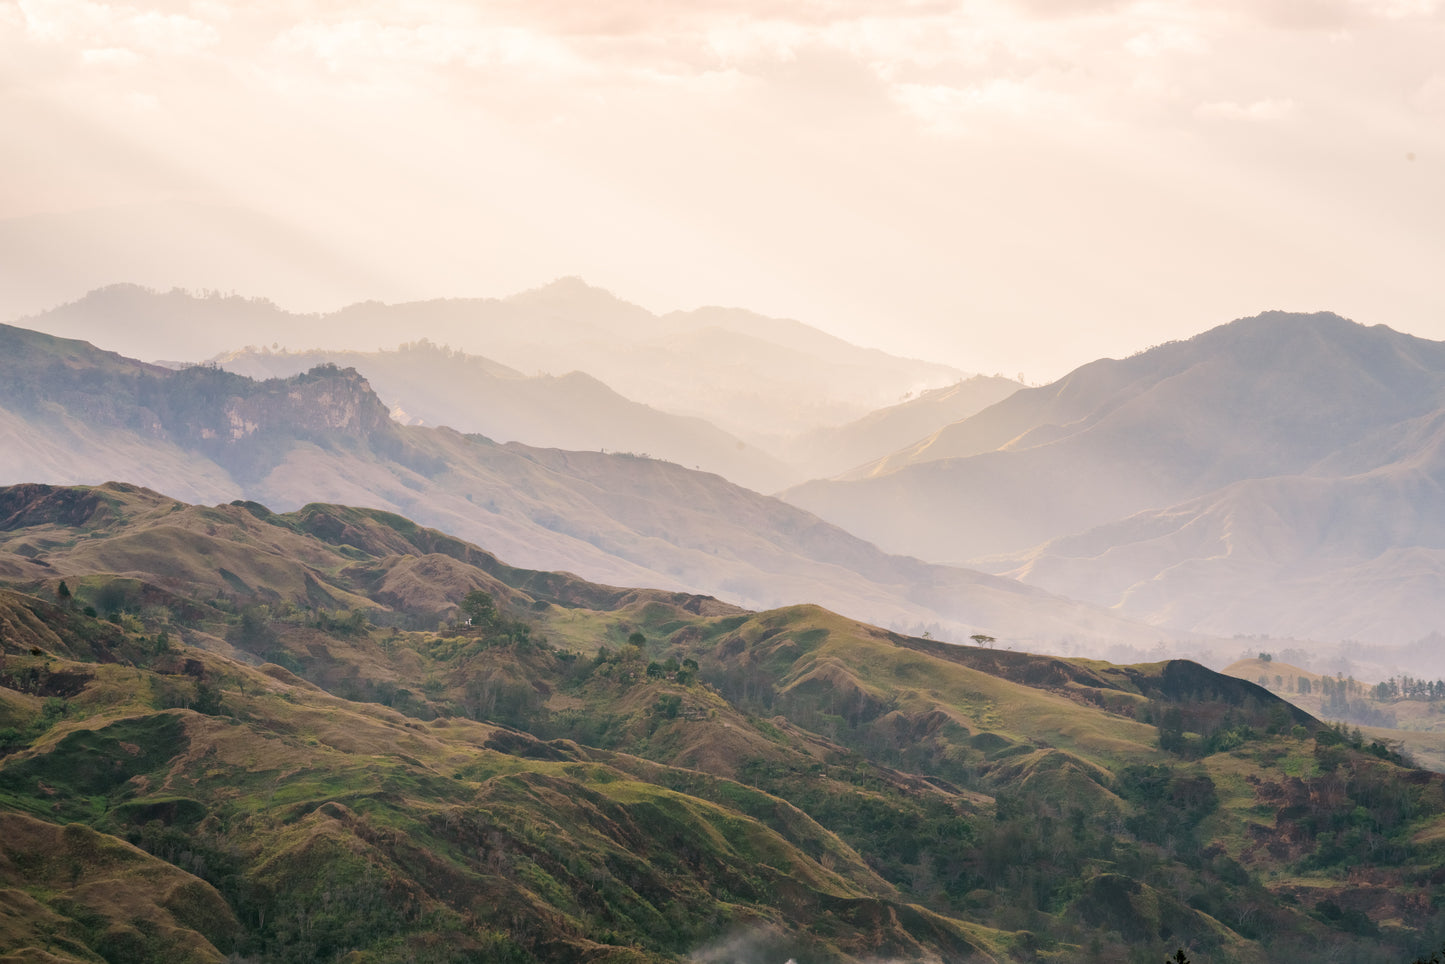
(334, 735)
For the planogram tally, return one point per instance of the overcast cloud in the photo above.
(1001, 185)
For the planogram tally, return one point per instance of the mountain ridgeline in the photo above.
(428, 384)
(750, 376)
(78, 415)
(1277, 475)
(335, 734)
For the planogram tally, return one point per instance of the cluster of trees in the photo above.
(1230, 733)
(481, 618)
(1409, 688)
(1345, 699)
(1340, 690)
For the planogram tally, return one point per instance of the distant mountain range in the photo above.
(72, 413)
(754, 377)
(834, 450)
(1280, 474)
(426, 384)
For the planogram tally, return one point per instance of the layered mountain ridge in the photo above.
(78, 415)
(1273, 475)
(430, 385)
(751, 376)
(425, 383)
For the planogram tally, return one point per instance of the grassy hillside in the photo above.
(1401, 711)
(333, 732)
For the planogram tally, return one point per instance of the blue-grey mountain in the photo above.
(1275, 475)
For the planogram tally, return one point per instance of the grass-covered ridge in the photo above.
(332, 732)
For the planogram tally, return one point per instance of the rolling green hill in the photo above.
(335, 734)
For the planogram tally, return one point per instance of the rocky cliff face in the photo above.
(248, 426)
(40, 374)
(78, 393)
(324, 400)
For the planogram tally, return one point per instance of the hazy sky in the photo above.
(1006, 186)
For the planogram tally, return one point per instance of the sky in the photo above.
(1013, 186)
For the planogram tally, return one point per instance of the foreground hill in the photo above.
(745, 373)
(276, 739)
(74, 414)
(1277, 475)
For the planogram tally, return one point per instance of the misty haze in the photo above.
(736, 484)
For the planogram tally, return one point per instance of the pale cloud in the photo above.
(212, 11)
(142, 102)
(119, 57)
(1256, 111)
(954, 111)
(459, 39)
(170, 33)
(1402, 9)
(1333, 15)
(101, 26)
(1430, 96)
(744, 40)
(1165, 40)
(766, 152)
(351, 42)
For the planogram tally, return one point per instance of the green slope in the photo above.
(316, 742)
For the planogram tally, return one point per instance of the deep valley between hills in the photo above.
(335, 734)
